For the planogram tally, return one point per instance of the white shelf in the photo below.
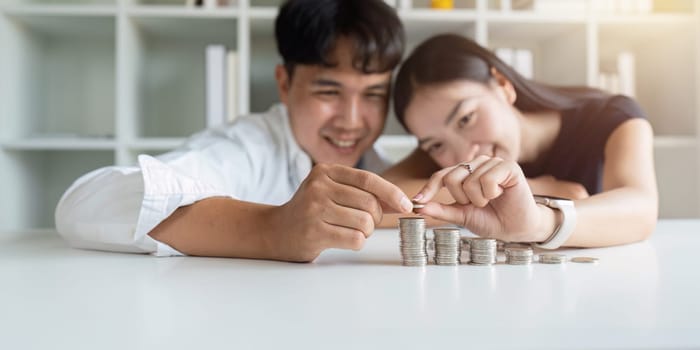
(438, 15)
(58, 143)
(675, 142)
(181, 12)
(266, 13)
(535, 17)
(134, 70)
(156, 144)
(649, 19)
(60, 10)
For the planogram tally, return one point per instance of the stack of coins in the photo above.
(466, 247)
(552, 258)
(519, 255)
(448, 244)
(482, 251)
(412, 234)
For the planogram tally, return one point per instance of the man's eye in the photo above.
(327, 93)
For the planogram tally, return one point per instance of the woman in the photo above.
(500, 137)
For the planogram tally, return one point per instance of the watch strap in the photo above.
(568, 223)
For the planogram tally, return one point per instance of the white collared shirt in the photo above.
(255, 159)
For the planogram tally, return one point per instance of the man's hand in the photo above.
(335, 207)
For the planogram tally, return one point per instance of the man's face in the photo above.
(336, 113)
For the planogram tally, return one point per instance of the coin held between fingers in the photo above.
(417, 206)
(406, 205)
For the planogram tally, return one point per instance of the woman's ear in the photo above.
(504, 85)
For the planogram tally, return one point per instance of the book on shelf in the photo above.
(623, 6)
(215, 85)
(519, 5)
(618, 77)
(579, 6)
(559, 6)
(221, 85)
(209, 4)
(231, 85)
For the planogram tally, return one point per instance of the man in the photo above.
(279, 185)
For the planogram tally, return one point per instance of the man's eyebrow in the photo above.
(326, 82)
(381, 86)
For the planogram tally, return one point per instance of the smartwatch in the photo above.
(566, 226)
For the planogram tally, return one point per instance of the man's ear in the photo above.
(283, 82)
(505, 85)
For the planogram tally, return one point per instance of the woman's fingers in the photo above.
(453, 213)
(454, 181)
(473, 186)
(437, 180)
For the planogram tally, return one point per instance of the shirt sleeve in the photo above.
(114, 208)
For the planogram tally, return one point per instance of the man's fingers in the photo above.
(343, 237)
(351, 218)
(384, 190)
(353, 197)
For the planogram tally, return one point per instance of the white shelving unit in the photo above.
(89, 83)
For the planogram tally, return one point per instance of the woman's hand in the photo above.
(547, 185)
(493, 199)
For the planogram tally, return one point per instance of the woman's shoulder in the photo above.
(614, 105)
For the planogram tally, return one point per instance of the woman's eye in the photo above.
(433, 148)
(465, 120)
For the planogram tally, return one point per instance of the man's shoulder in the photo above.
(267, 126)
(259, 130)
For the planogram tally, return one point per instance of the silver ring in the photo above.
(468, 167)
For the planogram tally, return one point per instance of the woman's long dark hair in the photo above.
(449, 57)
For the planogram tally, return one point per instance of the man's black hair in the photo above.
(307, 32)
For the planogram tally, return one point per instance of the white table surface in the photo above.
(643, 295)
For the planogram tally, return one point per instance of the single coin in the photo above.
(418, 206)
(584, 260)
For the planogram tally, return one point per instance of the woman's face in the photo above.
(458, 121)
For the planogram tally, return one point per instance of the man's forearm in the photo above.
(221, 227)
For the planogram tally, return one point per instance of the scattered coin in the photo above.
(584, 260)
